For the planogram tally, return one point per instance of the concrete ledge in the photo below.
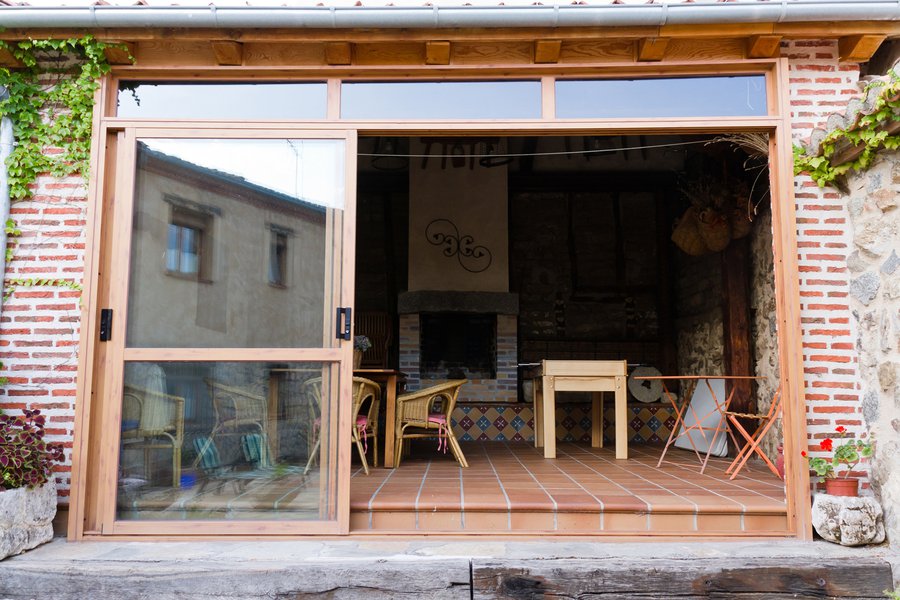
(483, 568)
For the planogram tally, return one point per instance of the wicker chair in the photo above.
(153, 420)
(238, 411)
(417, 417)
(365, 426)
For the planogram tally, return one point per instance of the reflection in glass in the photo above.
(222, 100)
(209, 441)
(441, 100)
(671, 97)
(215, 223)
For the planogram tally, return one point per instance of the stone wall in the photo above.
(698, 304)
(874, 265)
(764, 321)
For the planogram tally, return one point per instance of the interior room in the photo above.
(477, 258)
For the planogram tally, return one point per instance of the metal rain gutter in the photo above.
(391, 17)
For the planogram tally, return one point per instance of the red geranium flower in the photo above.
(803, 453)
(827, 444)
(840, 429)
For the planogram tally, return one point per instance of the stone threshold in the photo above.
(447, 569)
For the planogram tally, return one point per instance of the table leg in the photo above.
(596, 419)
(390, 401)
(537, 397)
(272, 418)
(621, 419)
(549, 410)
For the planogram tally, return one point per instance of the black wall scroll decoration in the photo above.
(472, 258)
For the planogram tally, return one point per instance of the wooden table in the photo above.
(595, 376)
(389, 378)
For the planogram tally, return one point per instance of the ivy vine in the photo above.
(50, 103)
(867, 133)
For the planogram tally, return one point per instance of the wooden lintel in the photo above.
(8, 60)
(763, 46)
(859, 48)
(120, 53)
(547, 51)
(437, 53)
(650, 49)
(228, 53)
(338, 53)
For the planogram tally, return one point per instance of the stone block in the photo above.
(849, 521)
(26, 518)
(865, 287)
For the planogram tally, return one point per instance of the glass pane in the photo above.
(442, 100)
(208, 286)
(235, 441)
(675, 97)
(222, 100)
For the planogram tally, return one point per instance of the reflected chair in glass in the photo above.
(764, 421)
(153, 420)
(366, 394)
(426, 414)
(238, 411)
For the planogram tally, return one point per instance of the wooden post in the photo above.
(736, 321)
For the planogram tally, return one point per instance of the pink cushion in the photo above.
(437, 418)
(362, 420)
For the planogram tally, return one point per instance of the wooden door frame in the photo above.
(777, 124)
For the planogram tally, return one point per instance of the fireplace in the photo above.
(461, 335)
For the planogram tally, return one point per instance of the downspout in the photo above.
(427, 17)
(6, 148)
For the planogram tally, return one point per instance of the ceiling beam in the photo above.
(437, 53)
(859, 48)
(338, 53)
(120, 53)
(652, 49)
(228, 53)
(547, 51)
(763, 46)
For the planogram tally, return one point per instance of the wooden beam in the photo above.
(859, 48)
(763, 46)
(8, 60)
(547, 51)
(338, 53)
(228, 53)
(437, 53)
(736, 322)
(651, 49)
(120, 53)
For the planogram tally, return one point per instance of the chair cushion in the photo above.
(439, 418)
(362, 420)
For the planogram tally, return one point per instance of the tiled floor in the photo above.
(512, 487)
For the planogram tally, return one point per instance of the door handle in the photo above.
(344, 321)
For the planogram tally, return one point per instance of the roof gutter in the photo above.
(423, 17)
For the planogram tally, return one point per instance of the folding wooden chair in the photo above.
(765, 424)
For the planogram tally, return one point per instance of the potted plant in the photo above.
(849, 452)
(360, 344)
(27, 487)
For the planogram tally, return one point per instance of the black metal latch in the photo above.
(106, 315)
(344, 321)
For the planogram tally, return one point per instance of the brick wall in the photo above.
(820, 85)
(39, 326)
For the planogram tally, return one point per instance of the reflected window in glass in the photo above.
(278, 256)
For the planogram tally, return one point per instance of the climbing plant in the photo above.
(50, 102)
(868, 133)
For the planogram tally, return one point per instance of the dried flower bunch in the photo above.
(849, 452)
(26, 459)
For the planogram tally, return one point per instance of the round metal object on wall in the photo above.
(645, 391)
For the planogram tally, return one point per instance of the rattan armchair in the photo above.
(239, 411)
(153, 420)
(419, 417)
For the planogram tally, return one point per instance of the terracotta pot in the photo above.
(842, 486)
(357, 358)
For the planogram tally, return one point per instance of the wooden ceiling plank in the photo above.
(859, 48)
(763, 46)
(120, 53)
(338, 53)
(652, 49)
(8, 60)
(547, 51)
(228, 53)
(437, 53)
